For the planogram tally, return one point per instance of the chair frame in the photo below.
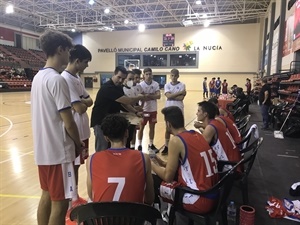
(114, 213)
(243, 177)
(223, 187)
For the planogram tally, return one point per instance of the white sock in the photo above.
(140, 142)
(167, 142)
(132, 145)
(151, 142)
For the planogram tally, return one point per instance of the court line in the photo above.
(19, 196)
(289, 156)
(10, 126)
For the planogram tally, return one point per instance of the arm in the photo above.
(88, 178)
(87, 101)
(174, 95)
(266, 95)
(154, 96)
(209, 133)
(179, 98)
(79, 107)
(149, 191)
(223, 112)
(71, 128)
(130, 108)
(129, 101)
(175, 148)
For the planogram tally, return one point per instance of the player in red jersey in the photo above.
(222, 111)
(216, 134)
(119, 173)
(192, 158)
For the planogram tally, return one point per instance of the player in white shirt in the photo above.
(132, 89)
(175, 93)
(80, 101)
(56, 139)
(152, 93)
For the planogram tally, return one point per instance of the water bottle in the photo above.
(231, 213)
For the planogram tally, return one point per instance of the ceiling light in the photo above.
(187, 23)
(106, 10)
(91, 2)
(206, 23)
(142, 27)
(198, 2)
(126, 21)
(73, 30)
(204, 15)
(9, 9)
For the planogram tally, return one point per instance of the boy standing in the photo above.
(175, 93)
(152, 93)
(80, 101)
(55, 135)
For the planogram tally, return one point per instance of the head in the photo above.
(148, 77)
(206, 111)
(115, 128)
(218, 78)
(225, 80)
(174, 75)
(119, 76)
(137, 75)
(56, 44)
(173, 118)
(213, 78)
(205, 78)
(80, 57)
(129, 81)
(213, 100)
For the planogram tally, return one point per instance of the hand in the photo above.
(183, 92)
(79, 148)
(198, 124)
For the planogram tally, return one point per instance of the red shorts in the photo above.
(149, 116)
(58, 180)
(192, 203)
(84, 154)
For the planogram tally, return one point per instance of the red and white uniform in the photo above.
(174, 88)
(150, 106)
(198, 170)
(232, 128)
(118, 175)
(224, 145)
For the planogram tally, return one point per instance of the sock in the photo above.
(132, 145)
(151, 142)
(167, 142)
(140, 142)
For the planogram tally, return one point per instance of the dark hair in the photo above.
(137, 71)
(213, 78)
(174, 116)
(50, 40)
(114, 126)
(225, 80)
(213, 100)
(80, 52)
(218, 78)
(175, 72)
(209, 108)
(120, 69)
(130, 72)
(148, 69)
(205, 78)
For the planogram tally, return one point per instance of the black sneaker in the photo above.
(165, 151)
(153, 148)
(140, 148)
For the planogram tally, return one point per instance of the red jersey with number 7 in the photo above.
(198, 170)
(118, 175)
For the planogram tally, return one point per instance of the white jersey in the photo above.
(77, 92)
(170, 88)
(134, 91)
(150, 106)
(50, 95)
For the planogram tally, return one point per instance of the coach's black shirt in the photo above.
(261, 97)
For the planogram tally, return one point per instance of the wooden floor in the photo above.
(19, 184)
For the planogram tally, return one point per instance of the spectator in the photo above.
(118, 173)
(224, 87)
(248, 86)
(218, 87)
(265, 103)
(212, 87)
(205, 90)
(55, 135)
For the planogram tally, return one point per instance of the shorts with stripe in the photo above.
(58, 180)
(149, 116)
(193, 203)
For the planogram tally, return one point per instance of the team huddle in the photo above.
(123, 106)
